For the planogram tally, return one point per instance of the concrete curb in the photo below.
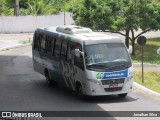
(146, 90)
(145, 64)
(15, 46)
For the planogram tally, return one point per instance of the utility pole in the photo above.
(64, 17)
(16, 8)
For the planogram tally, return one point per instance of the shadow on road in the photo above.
(22, 89)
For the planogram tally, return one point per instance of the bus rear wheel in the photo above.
(49, 81)
(122, 95)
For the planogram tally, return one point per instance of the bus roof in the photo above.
(79, 34)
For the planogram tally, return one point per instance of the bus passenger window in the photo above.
(78, 61)
(42, 43)
(64, 49)
(71, 58)
(70, 53)
(58, 47)
(36, 41)
(49, 44)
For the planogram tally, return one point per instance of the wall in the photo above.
(23, 24)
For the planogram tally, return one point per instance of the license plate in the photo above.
(113, 85)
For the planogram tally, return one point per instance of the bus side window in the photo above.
(36, 41)
(58, 48)
(71, 58)
(54, 46)
(64, 50)
(41, 42)
(78, 61)
(49, 44)
(70, 53)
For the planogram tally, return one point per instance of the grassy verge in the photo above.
(26, 42)
(151, 80)
(150, 52)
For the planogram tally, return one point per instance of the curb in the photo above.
(146, 90)
(15, 46)
(145, 64)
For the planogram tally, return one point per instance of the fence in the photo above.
(23, 24)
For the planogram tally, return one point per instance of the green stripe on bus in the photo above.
(68, 38)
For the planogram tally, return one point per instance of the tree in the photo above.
(33, 7)
(23, 4)
(143, 14)
(4, 9)
(119, 15)
(93, 14)
(37, 7)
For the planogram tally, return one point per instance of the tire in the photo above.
(122, 95)
(79, 91)
(49, 81)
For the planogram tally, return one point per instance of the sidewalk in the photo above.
(14, 40)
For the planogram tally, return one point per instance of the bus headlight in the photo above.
(131, 74)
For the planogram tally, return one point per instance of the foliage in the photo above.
(24, 12)
(71, 4)
(61, 5)
(38, 7)
(10, 3)
(116, 16)
(93, 14)
(33, 7)
(23, 4)
(4, 10)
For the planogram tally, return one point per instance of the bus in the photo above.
(89, 63)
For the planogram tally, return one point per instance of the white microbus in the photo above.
(87, 62)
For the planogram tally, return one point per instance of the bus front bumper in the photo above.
(93, 88)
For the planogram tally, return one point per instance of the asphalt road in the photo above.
(22, 89)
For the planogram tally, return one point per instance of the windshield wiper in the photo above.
(120, 65)
(99, 65)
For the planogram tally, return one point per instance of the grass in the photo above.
(26, 42)
(150, 52)
(151, 80)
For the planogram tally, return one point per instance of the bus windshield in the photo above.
(111, 56)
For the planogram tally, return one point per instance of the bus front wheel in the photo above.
(79, 91)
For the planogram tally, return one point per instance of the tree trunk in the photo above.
(127, 38)
(133, 46)
(133, 42)
(16, 8)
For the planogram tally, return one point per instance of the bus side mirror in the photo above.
(130, 49)
(77, 52)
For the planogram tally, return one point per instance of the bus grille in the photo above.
(112, 81)
(112, 89)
